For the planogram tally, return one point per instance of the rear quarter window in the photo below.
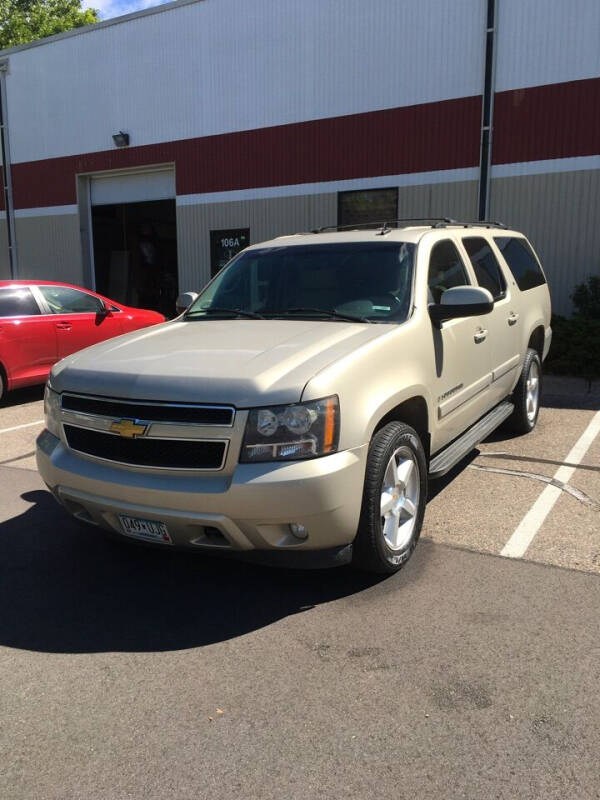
(521, 260)
(17, 302)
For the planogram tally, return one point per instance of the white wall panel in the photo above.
(227, 65)
(546, 41)
(132, 187)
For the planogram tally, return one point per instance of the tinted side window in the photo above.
(487, 270)
(522, 262)
(17, 302)
(446, 270)
(63, 300)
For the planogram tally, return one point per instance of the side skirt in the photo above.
(443, 461)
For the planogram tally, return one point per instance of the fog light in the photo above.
(299, 531)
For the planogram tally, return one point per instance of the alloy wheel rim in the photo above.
(532, 394)
(399, 502)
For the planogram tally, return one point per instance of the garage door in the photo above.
(132, 187)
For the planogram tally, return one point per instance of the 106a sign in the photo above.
(224, 245)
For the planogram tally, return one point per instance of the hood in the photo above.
(240, 362)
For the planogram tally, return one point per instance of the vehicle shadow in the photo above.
(437, 485)
(19, 397)
(67, 588)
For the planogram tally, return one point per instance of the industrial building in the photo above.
(142, 152)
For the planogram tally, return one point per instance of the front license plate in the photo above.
(147, 529)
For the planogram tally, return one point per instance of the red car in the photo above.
(44, 321)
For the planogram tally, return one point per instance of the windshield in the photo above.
(366, 282)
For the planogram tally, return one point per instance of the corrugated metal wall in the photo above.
(50, 246)
(560, 213)
(457, 200)
(546, 41)
(4, 263)
(219, 66)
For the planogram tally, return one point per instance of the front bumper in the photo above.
(249, 510)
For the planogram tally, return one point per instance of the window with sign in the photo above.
(225, 244)
(373, 205)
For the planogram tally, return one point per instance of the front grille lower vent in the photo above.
(167, 412)
(147, 452)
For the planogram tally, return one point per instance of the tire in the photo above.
(384, 543)
(3, 389)
(526, 395)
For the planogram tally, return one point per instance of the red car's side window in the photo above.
(63, 300)
(17, 302)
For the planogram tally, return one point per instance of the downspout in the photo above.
(487, 111)
(6, 172)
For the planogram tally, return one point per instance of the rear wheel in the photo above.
(394, 497)
(526, 396)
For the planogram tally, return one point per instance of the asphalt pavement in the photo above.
(135, 673)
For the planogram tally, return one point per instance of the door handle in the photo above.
(63, 326)
(512, 319)
(480, 335)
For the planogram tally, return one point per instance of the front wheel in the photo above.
(394, 497)
(526, 396)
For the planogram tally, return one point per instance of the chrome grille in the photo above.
(176, 436)
(143, 409)
(145, 452)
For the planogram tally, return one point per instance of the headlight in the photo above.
(52, 410)
(303, 430)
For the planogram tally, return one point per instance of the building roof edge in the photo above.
(146, 12)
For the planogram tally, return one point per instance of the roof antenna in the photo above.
(383, 230)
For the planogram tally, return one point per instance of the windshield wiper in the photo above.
(238, 312)
(323, 312)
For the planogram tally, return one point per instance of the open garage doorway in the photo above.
(135, 253)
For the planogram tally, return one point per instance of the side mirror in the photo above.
(184, 301)
(461, 301)
(103, 311)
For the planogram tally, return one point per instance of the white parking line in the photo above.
(517, 545)
(25, 425)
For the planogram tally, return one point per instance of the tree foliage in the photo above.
(23, 21)
(586, 298)
(576, 341)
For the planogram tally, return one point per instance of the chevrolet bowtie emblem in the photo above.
(128, 428)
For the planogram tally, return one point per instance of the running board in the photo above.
(451, 455)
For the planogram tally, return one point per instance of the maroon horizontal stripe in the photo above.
(542, 122)
(558, 120)
(432, 136)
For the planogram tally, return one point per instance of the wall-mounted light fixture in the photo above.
(121, 139)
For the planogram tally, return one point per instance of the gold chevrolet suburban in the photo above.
(296, 410)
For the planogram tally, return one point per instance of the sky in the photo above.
(115, 8)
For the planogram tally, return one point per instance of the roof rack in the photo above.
(482, 223)
(384, 227)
